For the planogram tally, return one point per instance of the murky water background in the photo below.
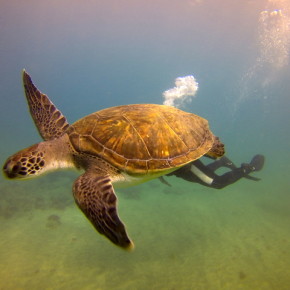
(91, 55)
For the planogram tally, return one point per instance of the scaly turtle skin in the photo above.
(123, 145)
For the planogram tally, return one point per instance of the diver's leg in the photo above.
(231, 176)
(222, 162)
(200, 173)
(208, 178)
(234, 175)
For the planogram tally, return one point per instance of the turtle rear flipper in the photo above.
(217, 149)
(49, 121)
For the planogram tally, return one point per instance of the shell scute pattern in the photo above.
(139, 138)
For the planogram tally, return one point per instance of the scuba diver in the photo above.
(197, 172)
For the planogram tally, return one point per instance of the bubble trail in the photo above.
(185, 88)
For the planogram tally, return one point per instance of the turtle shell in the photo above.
(141, 139)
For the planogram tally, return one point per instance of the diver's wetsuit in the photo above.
(196, 171)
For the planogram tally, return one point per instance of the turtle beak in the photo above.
(12, 169)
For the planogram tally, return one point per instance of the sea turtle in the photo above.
(120, 146)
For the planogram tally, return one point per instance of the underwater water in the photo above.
(95, 54)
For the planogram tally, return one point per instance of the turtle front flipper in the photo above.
(48, 119)
(95, 196)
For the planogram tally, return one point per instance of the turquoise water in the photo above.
(92, 55)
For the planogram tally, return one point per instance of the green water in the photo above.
(90, 55)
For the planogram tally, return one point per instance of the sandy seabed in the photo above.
(186, 237)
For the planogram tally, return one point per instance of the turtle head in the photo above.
(25, 163)
(39, 158)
